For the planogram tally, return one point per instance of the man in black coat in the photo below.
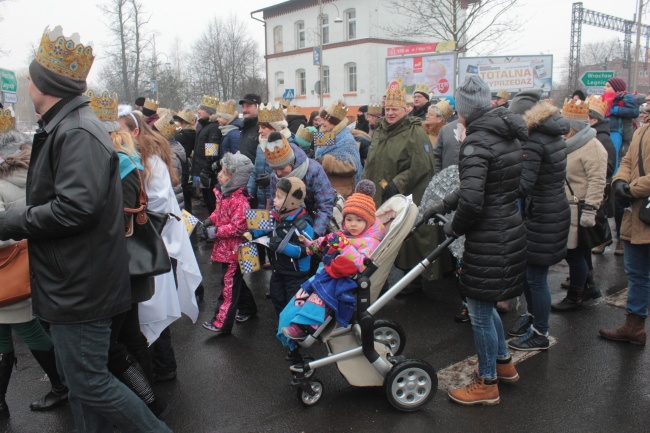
(74, 220)
(202, 173)
(420, 101)
(249, 132)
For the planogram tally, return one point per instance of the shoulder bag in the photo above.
(590, 237)
(644, 212)
(14, 274)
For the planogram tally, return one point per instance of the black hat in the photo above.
(251, 98)
(363, 109)
(139, 101)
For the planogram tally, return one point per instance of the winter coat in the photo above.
(446, 148)
(229, 218)
(231, 140)
(420, 112)
(363, 142)
(320, 197)
(602, 135)
(262, 168)
(152, 119)
(546, 209)
(73, 220)
(292, 259)
(187, 139)
(294, 121)
(201, 164)
(585, 171)
(362, 246)
(341, 161)
(249, 138)
(179, 164)
(632, 228)
(401, 153)
(624, 109)
(432, 132)
(494, 261)
(12, 193)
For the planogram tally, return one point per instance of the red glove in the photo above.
(341, 267)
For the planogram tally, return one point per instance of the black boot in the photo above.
(7, 362)
(58, 396)
(591, 291)
(572, 302)
(135, 379)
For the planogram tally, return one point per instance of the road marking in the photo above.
(460, 374)
(618, 299)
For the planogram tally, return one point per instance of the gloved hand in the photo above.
(439, 208)
(216, 166)
(588, 218)
(207, 223)
(263, 181)
(389, 191)
(247, 236)
(614, 110)
(196, 181)
(274, 243)
(210, 232)
(622, 192)
(448, 231)
(337, 240)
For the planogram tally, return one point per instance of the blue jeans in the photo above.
(637, 268)
(489, 337)
(538, 296)
(97, 399)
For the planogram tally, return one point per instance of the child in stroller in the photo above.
(332, 289)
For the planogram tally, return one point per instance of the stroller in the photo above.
(369, 351)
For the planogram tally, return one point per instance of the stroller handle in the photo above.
(426, 217)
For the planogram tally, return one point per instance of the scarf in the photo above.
(300, 171)
(581, 138)
(227, 128)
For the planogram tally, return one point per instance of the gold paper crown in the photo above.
(444, 108)
(270, 113)
(375, 109)
(422, 88)
(577, 110)
(409, 100)
(337, 110)
(150, 104)
(186, 115)
(503, 94)
(166, 126)
(229, 108)
(305, 133)
(7, 121)
(66, 57)
(210, 101)
(278, 153)
(597, 104)
(395, 96)
(294, 110)
(104, 105)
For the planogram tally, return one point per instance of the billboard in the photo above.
(511, 73)
(437, 70)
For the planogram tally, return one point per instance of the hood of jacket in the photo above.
(499, 121)
(545, 118)
(399, 126)
(602, 127)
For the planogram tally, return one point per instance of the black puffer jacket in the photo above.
(294, 121)
(602, 135)
(546, 209)
(249, 138)
(494, 261)
(202, 165)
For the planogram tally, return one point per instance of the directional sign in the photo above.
(9, 82)
(596, 78)
(9, 97)
(288, 94)
(594, 90)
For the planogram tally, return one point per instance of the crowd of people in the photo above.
(532, 176)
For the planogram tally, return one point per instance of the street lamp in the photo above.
(337, 20)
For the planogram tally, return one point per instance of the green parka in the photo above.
(402, 153)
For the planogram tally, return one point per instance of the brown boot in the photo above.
(633, 330)
(506, 371)
(618, 250)
(480, 391)
(601, 248)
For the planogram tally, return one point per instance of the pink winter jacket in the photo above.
(230, 219)
(362, 246)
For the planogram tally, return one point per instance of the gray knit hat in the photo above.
(472, 96)
(525, 100)
(239, 166)
(54, 84)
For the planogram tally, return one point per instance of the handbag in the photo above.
(600, 233)
(14, 274)
(644, 211)
(147, 252)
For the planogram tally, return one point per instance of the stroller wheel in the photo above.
(410, 385)
(391, 334)
(310, 400)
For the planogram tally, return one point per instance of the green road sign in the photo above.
(596, 78)
(8, 79)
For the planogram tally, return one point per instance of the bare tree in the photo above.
(479, 26)
(600, 53)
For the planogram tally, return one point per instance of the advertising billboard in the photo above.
(437, 70)
(511, 73)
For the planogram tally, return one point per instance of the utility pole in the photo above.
(320, 47)
(635, 74)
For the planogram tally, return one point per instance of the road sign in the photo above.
(596, 78)
(288, 94)
(9, 97)
(317, 56)
(594, 90)
(9, 82)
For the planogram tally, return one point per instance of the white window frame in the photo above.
(278, 47)
(325, 29)
(326, 80)
(351, 23)
(301, 38)
(301, 82)
(351, 76)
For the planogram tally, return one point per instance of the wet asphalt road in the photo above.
(240, 383)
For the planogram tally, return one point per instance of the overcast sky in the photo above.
(547, 30)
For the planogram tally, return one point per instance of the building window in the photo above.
(301, 82)
(277, 39)
(326, 79)
(351, 77)
(325, 29)
(300, 34)
(279, 84)
(351, 23)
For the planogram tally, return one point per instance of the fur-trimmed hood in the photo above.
(546, 118)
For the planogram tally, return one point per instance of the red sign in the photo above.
(412, 49)
(443, 85)
(417, 65)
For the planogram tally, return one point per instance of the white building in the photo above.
(354, 50)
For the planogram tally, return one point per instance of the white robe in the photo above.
(168, 303)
